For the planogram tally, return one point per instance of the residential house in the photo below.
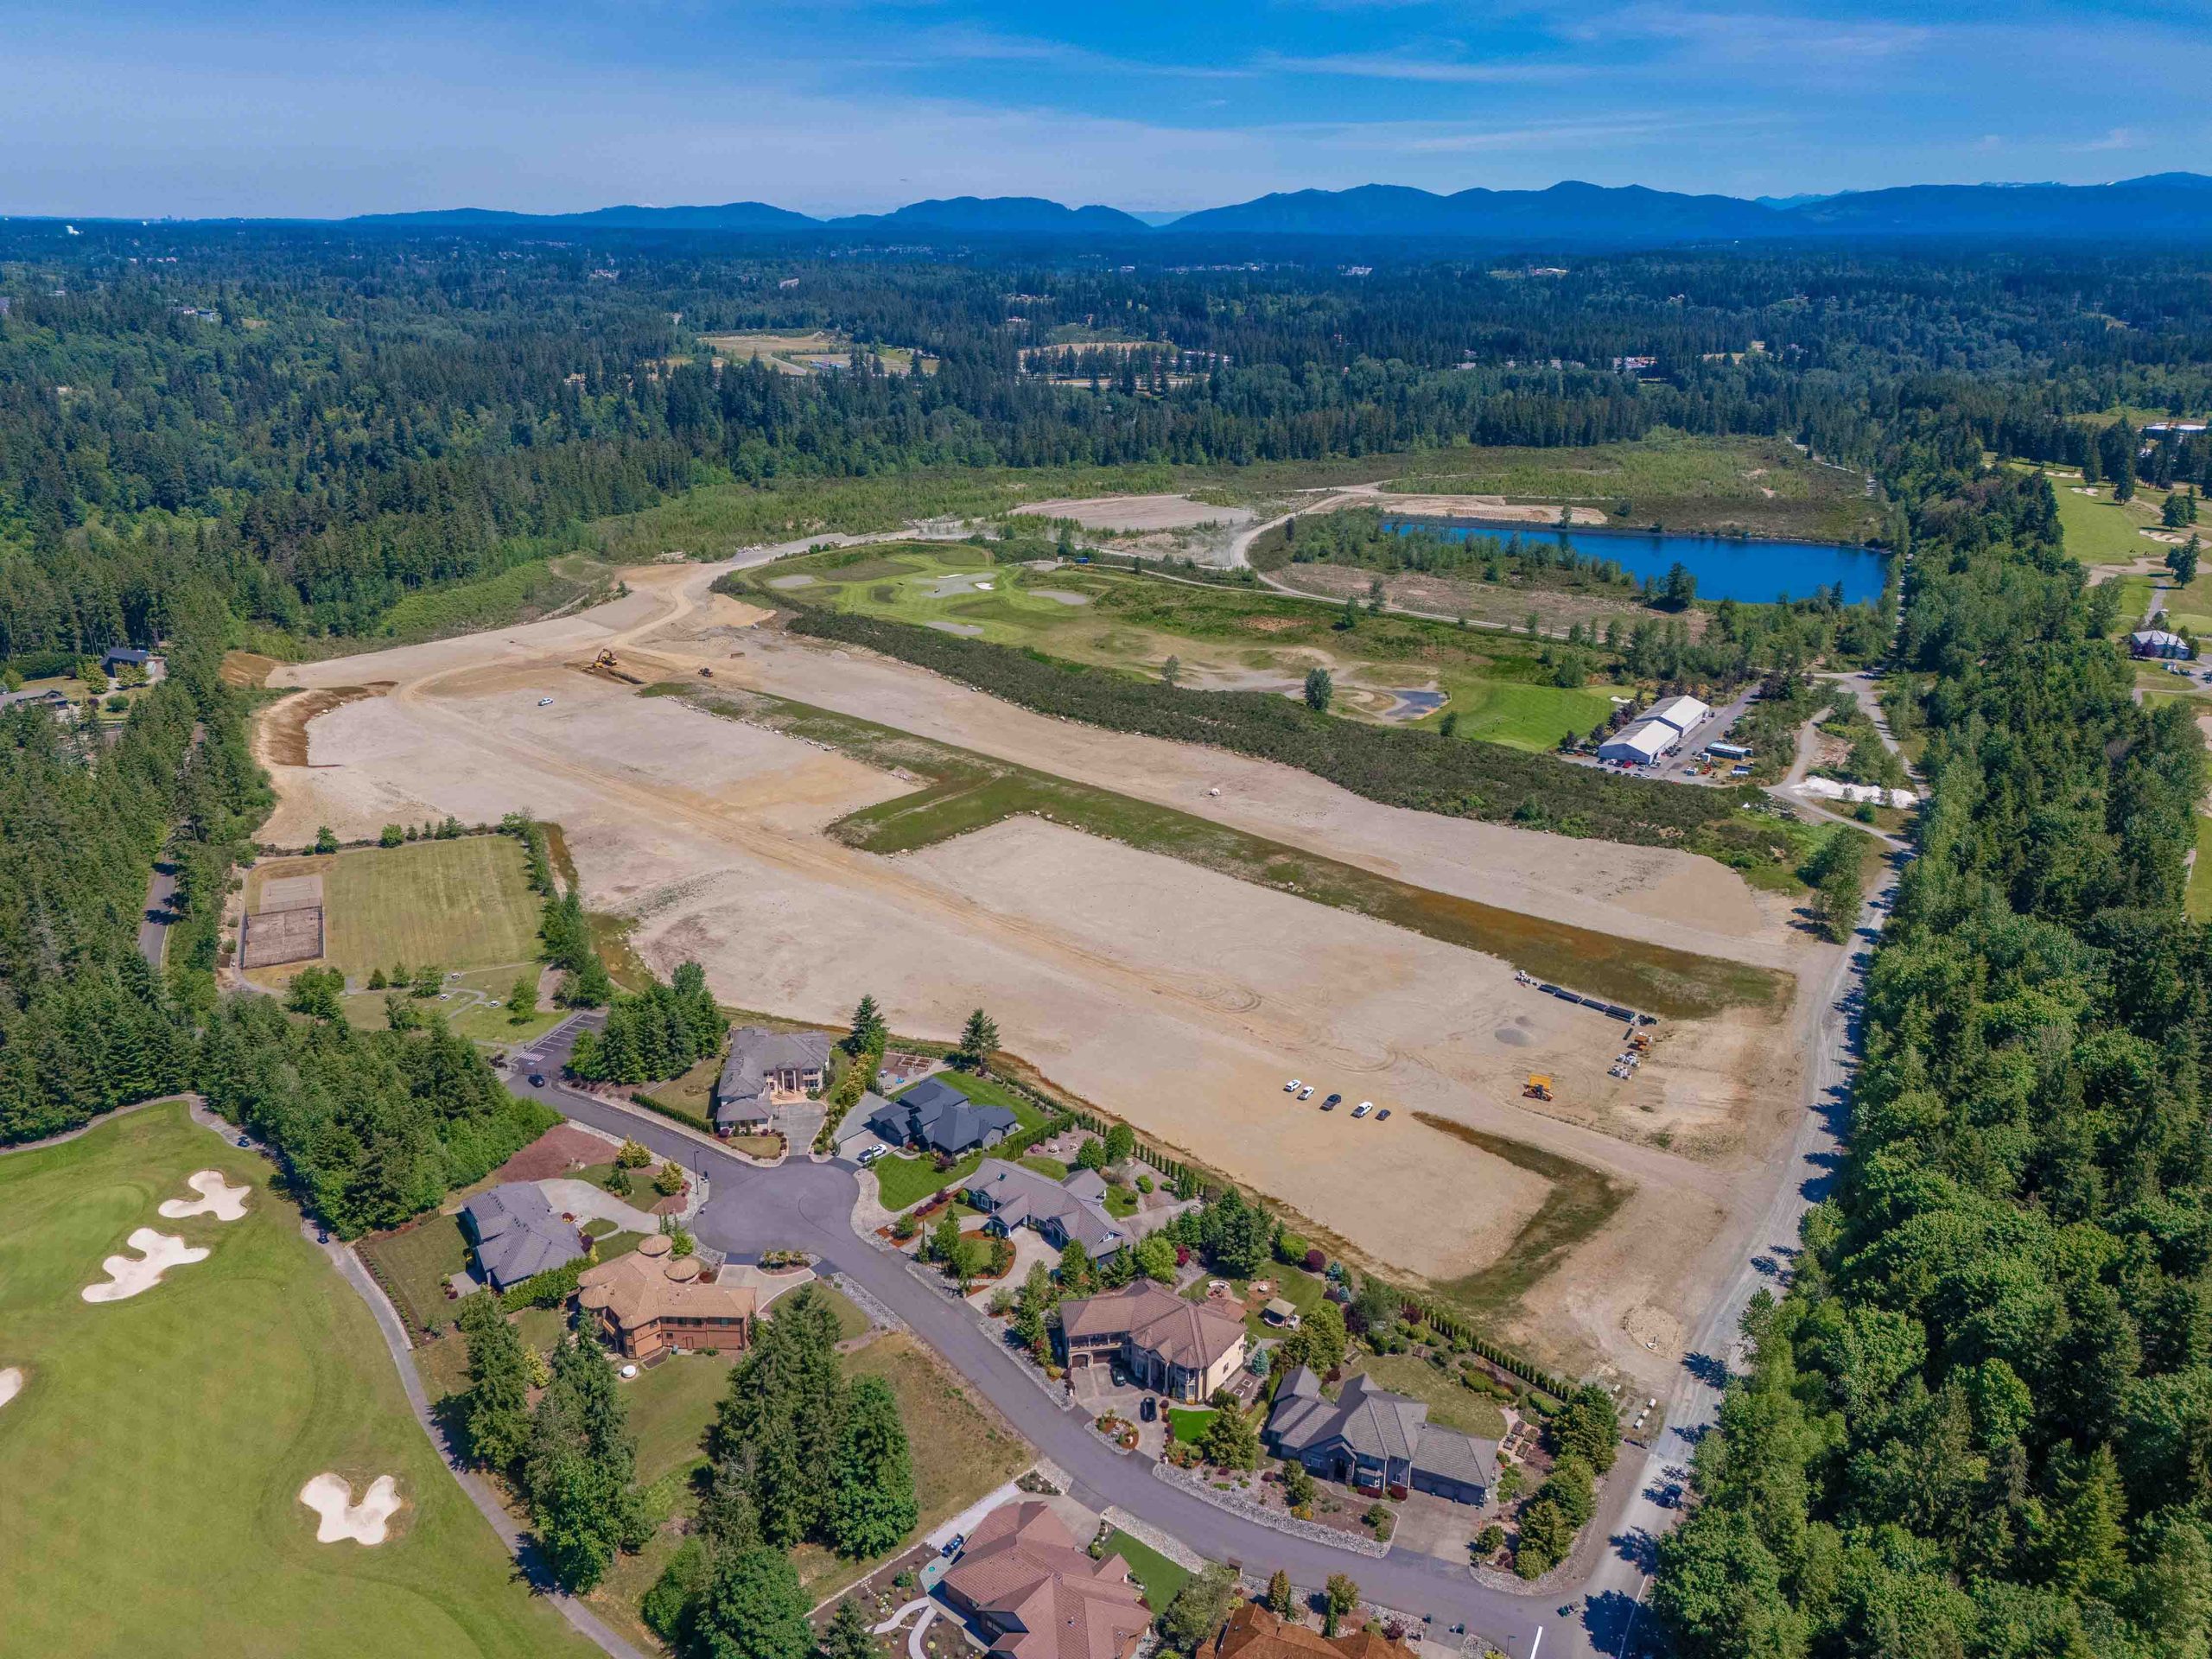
(1183, 1350)
(2159, 644)
(1012, 1196)
(766, 1069)
(1375, 1440)
(517, 1235)
(651, 1302)
(49, 699)
(1253, 1632)
(117, 656)
(935, 1114)
(1033, 1592)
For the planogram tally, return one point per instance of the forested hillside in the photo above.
(1980, 1421)
(317, 424)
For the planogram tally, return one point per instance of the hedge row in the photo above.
(1398, 767)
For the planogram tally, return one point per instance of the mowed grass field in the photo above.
(150, 1468)
(462, 904)
(1220, 637)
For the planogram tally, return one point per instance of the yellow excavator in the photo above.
(1539, 1087)
(605, 659)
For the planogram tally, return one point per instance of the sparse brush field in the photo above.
(154, 1458)
(971, 792)
(462, 904)
(1223, 637)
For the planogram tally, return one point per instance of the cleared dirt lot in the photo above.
(1176, 997)
(1138, 513)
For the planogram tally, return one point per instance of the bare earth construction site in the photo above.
(1174, 995)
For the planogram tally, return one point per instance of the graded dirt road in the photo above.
(1174, 996)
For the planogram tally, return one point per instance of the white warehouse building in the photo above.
(1655, 731)
(1681, 713)
(1640, 745)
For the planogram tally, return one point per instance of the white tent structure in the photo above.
(1640, 745)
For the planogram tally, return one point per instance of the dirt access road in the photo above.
(1174, 996)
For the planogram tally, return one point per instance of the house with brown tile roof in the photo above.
(1253, 1632)
(652, 1301)
(1034, 1593)
(1183, 1350)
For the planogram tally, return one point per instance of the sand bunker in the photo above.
(11, 1383)
(331, 1496)
(967, 629)
(218, 1198)
(796, 579)
(1062, 596)
(158, 1254)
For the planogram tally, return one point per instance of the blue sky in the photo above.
(203, 107)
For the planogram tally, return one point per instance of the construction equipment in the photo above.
(706, 673)
(1539, 1087)
(605, 659)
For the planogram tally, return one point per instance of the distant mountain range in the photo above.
(2164, 205)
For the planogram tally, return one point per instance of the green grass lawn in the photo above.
(903, 1180)
(671, 1405)
(460, 904)
(1160, 1576)
(1188, 1423)
(2198, 899)
(2100, 530)
(154, 1460)
(1051, 1168)
(415, 1265)
(1302, 1290)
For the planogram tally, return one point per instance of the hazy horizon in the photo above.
(198, 111)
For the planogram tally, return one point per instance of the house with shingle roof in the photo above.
(652, 1301)
(1370, 1438)
(1034, 1593)
(1014, 1195)
(766, 1069)
(1253, 1632)
(1183, 1350)
(935, 1114)
(517, 1235)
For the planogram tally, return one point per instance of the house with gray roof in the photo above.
(1014, 1195)
(1374, 1440)
(934, 1113)
(517, 1235)
(766, 1069)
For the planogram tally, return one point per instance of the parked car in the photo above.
(1306, 1093)
(1150, 1409)
(1333, 1103)
(1292, 1087)
(952, 1545)
(545, 703)
(1362, 1108)
(1384, 1113)
(538, 1079)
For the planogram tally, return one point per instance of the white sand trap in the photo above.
(968, 630)
(796, 579)
(218, 1198)
(127, 1276)
(332, 1498)
(1062, 596)
(11, 1383)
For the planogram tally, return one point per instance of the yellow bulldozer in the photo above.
(1539, 1087)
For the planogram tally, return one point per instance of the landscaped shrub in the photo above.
(1315, 1261)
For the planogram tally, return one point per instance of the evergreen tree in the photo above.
(1321, 687)
(870, 1501)
(753, 1608)
(1281, 1599)
(868, 1032)
(849, 1635)
(496, 1409)
(979, 1040)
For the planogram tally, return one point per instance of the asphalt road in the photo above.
(155, 923)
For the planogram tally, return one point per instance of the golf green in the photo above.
(154, 1458)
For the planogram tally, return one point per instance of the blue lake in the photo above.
(1751, 572)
